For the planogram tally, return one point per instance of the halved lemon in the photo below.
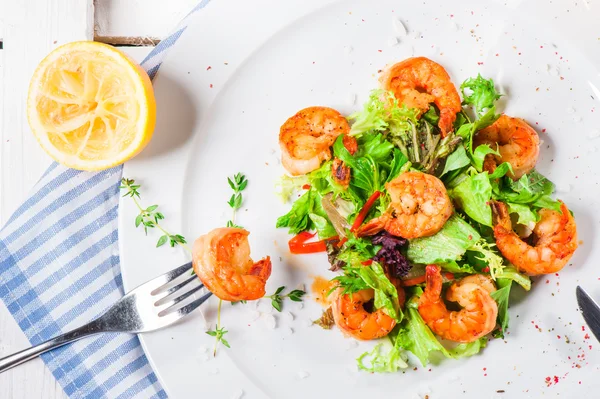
(90, 106)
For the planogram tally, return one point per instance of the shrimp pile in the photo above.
(420, 207)
(305, 138)
(553, 242)
(516, 142)
(222, 260)
(417, 82)
(479, 310)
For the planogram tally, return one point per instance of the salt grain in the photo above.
(286, 331)
(554, 71)
(416, 35)
(399, 27)
(593, 149)
(237, 394)
(577, 118)
(270, 321)
(288, 316)
(265, 306)
(454, 26)
(563, 188)
(351, 100)
(303, 374)
(392, 41)
(348, 49)
(594, 134)
(308, 322)
(253, 315)
(214, 371)
(299, 305)
(204, 357)
(203, 349)
(570, 110)
(351, 344)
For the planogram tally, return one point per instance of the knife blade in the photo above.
(590, 311)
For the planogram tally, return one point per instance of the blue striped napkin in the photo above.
(59, 268)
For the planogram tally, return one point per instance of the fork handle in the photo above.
(33, 352)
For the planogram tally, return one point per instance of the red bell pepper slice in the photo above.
(298, 244)
(365, 210)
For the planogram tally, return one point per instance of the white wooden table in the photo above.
(29, 29)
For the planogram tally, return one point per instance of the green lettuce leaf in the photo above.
(468, 349)
(297, 219)
(398, 162)
(531, 189)
(473, 196)
(447, 245)
(376, 146)
(382, 112)
(457, 160)
(285, 186)
(386, 294)
(379, 361)
(479, 155)
(467, 130)
(525, 214)
(483, 93)
(307, 213)
(432, 116)
(501, 296)
(511, 273)
(454, 267)
(416, 337)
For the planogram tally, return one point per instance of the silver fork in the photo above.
(153, 305)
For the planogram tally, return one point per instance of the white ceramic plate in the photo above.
(270, 58)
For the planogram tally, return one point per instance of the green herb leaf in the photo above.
(161, 241)
(138, 220)
(510, 273)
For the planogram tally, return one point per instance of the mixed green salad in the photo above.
(393, 139)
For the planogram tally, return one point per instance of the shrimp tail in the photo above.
(433, 281)
(262, 268)
(373, 226)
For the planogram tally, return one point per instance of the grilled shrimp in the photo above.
(477, 316)
(553, 242)
(417, 82)
(351, 317)
(305, 138)
(222, 260)
(419, 207)
(516, 141)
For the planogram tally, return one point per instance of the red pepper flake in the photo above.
(541, 46)
(208, 68)
(587, 336)
(211, 85)
(543, 130)
(582, 328)
(579, 382)
(547, 281)
(558, 336)
(313, 63)
(451, 15)
(556, 379)
(479, 63)
(470, 237)
(486, 269)
(381, 51)
(363, 20)
(590, 346)
(519, 53)
(484, 369)
(306, 187)
(485, 375)
(497, 54)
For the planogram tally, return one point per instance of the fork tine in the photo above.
(163, 294)
(180, 298)
(160, 281)
(184, 310)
